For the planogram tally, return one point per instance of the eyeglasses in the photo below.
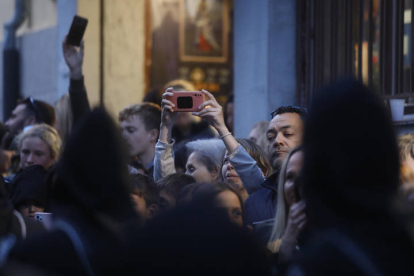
(290, 109)
(32, 102)
(37, 113)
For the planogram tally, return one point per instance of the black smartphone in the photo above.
(77, 30)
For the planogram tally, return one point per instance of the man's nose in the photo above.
(278, 140)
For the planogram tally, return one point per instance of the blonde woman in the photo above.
(40, 145)
(290, 213)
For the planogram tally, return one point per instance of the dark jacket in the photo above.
(29, 184)
(11, 221)
(261, 205)
(78, 99)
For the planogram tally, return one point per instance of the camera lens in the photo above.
(184, 102)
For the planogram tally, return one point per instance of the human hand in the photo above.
(212, 112)
(296, 221)
(74, 58)
(168, 115)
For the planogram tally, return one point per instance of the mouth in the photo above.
(279, 152)
(231, 175)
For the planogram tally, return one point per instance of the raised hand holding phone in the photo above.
(73, 47)
(74, 58)
(212, 112)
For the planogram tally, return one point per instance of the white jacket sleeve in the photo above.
(164, 160)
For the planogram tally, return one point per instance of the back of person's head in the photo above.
(180, 85)
(210, 152)
(47, 134)
(154, 95)
(145, 187)
(174, 183)
(217, 199)
(186, 194)
(92, 177)
(258, 134)
(169, 190)
(149, 113)
(29, 188)
(64, 117)
(352, 173)
(43, 112)
(258, 155)
(180, 156)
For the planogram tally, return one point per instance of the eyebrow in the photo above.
(282, 128)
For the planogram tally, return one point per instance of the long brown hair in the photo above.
(258, 155)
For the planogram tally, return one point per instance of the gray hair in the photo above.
(210, 152)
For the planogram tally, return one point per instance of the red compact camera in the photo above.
(187, 101)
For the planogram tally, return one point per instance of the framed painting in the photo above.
(204, 29)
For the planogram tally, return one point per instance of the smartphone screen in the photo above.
(77, 30)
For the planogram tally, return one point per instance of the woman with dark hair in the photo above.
(350, 183)
(220, 197)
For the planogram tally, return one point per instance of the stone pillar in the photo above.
(264, 60)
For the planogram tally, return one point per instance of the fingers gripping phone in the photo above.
(77, 30)
(187, 101)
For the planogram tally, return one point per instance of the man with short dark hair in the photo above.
(27, 113)
(284, 133)
(140, 124)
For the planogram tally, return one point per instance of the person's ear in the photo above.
(30, 120)
(152, 211)
(216, 172)
(154, 135)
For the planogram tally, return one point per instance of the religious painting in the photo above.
(204, 29)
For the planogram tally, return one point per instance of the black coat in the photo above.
(261, 205)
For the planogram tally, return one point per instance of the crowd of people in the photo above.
(324, 192)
